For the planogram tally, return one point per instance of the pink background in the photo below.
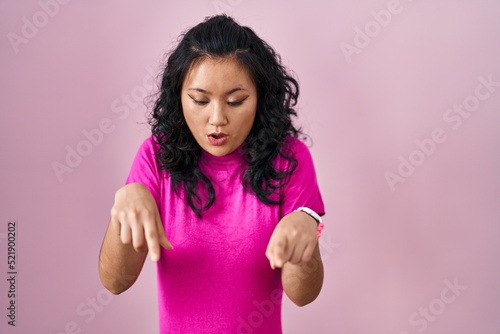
(389, 254)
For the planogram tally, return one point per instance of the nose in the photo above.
(218, 115)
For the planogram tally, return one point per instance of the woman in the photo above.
(222, 195)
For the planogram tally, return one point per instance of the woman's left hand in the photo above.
(293, 240)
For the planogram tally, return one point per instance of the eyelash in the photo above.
(201, 103)
(232, 104)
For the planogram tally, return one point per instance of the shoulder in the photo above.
(294, 153)
(294, 147)
(149, 149)
(149, 144)
(146, 158)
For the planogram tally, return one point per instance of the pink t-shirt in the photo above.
(217, 278)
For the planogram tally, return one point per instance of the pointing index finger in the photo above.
(152, 240)
(276, 251)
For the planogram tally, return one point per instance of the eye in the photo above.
(198, 102)
(235, 104)
(201, 103)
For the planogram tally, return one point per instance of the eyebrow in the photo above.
(227, 93)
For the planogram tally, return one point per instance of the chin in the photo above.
(218, 151)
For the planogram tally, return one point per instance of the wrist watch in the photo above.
(315, 216)
(310, 213)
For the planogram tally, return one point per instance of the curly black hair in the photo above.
(277, 93)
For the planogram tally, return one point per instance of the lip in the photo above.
(217, 138)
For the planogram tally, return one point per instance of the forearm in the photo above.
(302, 282)
(119, 264)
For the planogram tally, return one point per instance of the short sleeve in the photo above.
(145, 169)
(302, 189)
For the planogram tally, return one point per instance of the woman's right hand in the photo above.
(135, 217)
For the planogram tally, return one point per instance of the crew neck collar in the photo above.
(235, 157)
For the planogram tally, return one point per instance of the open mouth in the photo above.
(217, 138)
(218, 135)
